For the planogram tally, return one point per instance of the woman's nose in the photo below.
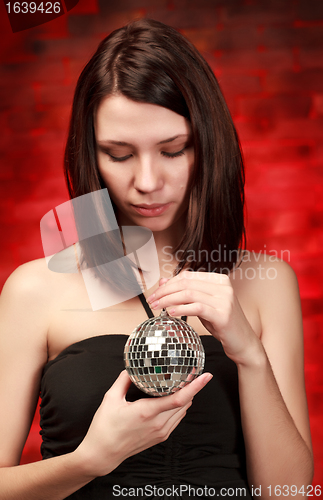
(147, 175)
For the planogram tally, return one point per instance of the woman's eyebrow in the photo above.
(122, 143)
(173, 138)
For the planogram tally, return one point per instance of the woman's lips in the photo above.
(151, 210)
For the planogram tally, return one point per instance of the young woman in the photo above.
(149, 123)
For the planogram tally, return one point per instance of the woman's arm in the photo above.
(272, 392)
(119, 429)
(271, 373)
(24, 317)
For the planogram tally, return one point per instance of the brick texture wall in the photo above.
(268, 57)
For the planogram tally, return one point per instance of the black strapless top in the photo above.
(205, 450)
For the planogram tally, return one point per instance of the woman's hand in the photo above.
(211, 298)
(120, 429)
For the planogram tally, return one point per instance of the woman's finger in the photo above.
(191, 296)
(172, 418)
(120, 386)
(183, 396)
(211, 287)
(163, 281)
(219, 278)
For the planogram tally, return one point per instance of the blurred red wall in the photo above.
(268, 57)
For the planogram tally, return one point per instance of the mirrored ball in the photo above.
(163, 354)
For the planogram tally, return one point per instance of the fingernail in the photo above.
(150, 298)
(208, 377)
(154, 304)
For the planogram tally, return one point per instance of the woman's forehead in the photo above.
(121, 119)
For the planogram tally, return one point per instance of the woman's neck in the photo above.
(166, 243)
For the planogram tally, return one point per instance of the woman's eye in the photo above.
(164, 153)
(173, 155)
(119, 158)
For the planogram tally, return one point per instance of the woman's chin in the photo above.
(156, 225)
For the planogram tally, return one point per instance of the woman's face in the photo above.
(145, 157)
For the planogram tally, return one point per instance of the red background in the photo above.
(268, 57)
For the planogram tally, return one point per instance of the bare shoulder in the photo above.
(25, 305)
(27, 301)
(271, 285)
(32, 281)
(264, 274)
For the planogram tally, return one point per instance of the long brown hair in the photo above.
(147, 61)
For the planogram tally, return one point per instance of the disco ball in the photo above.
(163, 354)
